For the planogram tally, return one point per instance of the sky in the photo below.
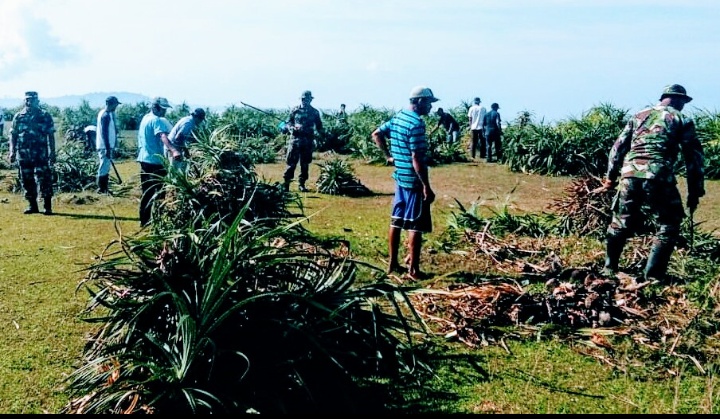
(556, 59)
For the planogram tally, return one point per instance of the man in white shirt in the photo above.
(476, 115)
(105, 142)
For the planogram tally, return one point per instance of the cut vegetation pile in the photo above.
(620, 319)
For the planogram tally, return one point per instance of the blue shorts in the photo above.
(410, 211)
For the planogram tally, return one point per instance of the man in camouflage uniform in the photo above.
(302, 122)
(32, 144)
(641, 162)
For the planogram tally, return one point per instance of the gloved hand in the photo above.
(692, 202)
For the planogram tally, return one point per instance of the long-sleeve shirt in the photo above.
(649, 144)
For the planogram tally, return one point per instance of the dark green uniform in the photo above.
(32, 138)
(642, 162)
(302, 123)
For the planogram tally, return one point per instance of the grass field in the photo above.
(42, 261)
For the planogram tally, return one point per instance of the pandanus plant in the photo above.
(227, 305)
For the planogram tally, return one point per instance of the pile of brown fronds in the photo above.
(584, 209)
(576, 304)
(575, 298)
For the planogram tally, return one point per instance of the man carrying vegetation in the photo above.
(413, 194)
(32, 144)
(642, 162)
(302, 122)
(105, 142)
(152, 138)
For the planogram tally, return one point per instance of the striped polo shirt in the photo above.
(406, 131)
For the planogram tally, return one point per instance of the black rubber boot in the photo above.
(32, 208)
(658, 261)
(48, 206)
(613, 250)
(302, 188)
(102, 183)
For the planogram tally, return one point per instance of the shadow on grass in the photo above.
(94, 217)
(426, 395)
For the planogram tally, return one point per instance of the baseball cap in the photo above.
(161, 102)
(198, 113)
(422, 92)
(112, 99)
(476, 100)
(29, 95)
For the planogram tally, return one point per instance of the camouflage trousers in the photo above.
(637, 199)
(33, 173)
(299, 150)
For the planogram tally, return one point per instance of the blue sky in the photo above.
(554, 58)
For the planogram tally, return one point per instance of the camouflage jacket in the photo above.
(306, 119)
(32, 134)
(649, 145)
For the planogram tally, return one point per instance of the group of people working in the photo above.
(485, 128)
(640, 165)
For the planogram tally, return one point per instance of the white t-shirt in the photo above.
(476, 113)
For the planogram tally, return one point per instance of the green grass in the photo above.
(43, 260)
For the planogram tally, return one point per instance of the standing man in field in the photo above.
(32, 144)
(413, 194)
(105, 142)
(493, 133)
(302, 123)
(641, 163)
(450, 124)
(152, 139)
(181, 135)
(476, 116)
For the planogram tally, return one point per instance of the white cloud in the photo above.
(26, 41)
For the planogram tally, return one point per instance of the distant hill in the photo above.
(95, 100)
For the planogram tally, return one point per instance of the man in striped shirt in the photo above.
(413, 195)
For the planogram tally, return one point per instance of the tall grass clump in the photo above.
(227, 305)
(572, 147)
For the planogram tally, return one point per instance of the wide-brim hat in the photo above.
(675, 90)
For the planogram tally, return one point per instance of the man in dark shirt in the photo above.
(450, 124)
(493, 133)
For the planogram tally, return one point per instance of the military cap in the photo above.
(306, 95)
(419, 92)
(675, 90)
(30, 95)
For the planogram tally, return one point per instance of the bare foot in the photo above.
(397, 269)
(417, 275)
